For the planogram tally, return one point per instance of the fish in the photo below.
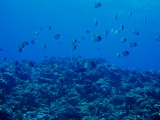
(118, 54)
(145, 20)
(90, 64)
(130, 14)
(22, 45)
(54, 66)
(57, 36)
(74, 47)
(88, 31)
(80, 70)
(25, 43)
(124, 53)
(97, 4)
(122, 27)
(33, 41)
(135, 32)
(20, 50)
(95, 22)
(15, 62)
(41, 28)
(132, 44)
(15, 73)
(4, 58)
(96, 38)
(30, 64)
(60, 80)
(44, 47)
(49, 27)
(74, 41)
(37, 32)
(114, 31)
(0, 49)
(123, 40)
(158, 38)
(116, 16)
(96, 111)
(106, 34)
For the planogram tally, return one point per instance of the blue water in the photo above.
(20, 19)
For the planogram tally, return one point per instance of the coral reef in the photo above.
(105, 92)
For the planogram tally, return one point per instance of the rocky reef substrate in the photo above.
(63, 89)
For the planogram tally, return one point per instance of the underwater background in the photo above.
(79, 60)
(21, 19)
